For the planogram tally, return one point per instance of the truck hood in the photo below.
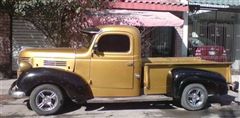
(51, 52)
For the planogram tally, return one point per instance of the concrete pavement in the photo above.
(5, 84)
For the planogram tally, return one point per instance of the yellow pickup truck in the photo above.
(110, 69)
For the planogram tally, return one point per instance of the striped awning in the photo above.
(167, 2)
(134, 18)
(154, 5)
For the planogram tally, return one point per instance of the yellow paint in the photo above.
(118, 74)
(158, 69)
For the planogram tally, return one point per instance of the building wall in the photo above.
(181, 37)
(4, 38)
(236, 46)
(178, 41)
(237, 38)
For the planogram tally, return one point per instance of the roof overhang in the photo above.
(210, 5)
(218, 4)
(134, 18)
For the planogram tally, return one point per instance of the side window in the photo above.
(114, 43)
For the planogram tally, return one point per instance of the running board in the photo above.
(143, 98)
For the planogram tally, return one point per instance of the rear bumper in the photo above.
(234, 86)
(15, 92)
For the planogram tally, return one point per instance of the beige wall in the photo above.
(178, 41)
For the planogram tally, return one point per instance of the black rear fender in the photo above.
(213, 82)
(73, 85)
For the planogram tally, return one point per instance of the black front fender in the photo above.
(74, 86)
(213, 82)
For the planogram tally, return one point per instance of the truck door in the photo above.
(112, 62)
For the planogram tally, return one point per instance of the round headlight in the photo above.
(24, 66)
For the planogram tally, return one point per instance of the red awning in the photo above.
(154, 5)
(135, 18)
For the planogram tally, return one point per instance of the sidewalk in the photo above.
(5, 85)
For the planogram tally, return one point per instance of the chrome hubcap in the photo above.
(195, 97)
(46, 100)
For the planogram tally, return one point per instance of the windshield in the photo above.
(87, 40)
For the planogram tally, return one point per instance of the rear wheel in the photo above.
(194, 97)
(46, 99)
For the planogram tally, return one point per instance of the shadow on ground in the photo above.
(129, 106)
(223, 100)
(70, 106)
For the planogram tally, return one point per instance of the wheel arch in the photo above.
(75, 87)
(213, 82)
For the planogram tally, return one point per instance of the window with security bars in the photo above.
(163, 42)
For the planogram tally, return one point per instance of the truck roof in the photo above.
(123, 28)
(119, 28)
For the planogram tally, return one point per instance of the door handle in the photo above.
(130, 64)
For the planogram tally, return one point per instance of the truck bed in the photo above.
(179, 60)
(156, 71)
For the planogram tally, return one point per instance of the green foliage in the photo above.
(7, 5)
(60, 20)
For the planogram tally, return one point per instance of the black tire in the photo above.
(46, 99)
(194, 97)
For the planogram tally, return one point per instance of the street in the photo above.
(224, 106)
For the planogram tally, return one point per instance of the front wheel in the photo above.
(194, 97)
(46, 99)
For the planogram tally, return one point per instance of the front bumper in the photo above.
(15, 92)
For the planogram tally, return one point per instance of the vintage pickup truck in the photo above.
(111, 69)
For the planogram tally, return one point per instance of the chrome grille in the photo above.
(54, 63)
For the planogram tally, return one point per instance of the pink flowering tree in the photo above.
(60, 20)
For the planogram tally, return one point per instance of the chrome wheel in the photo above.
(46, 100)
(195, 97)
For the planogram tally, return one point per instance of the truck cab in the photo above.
(110, 68)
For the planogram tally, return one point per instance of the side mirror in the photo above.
(95, 48)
